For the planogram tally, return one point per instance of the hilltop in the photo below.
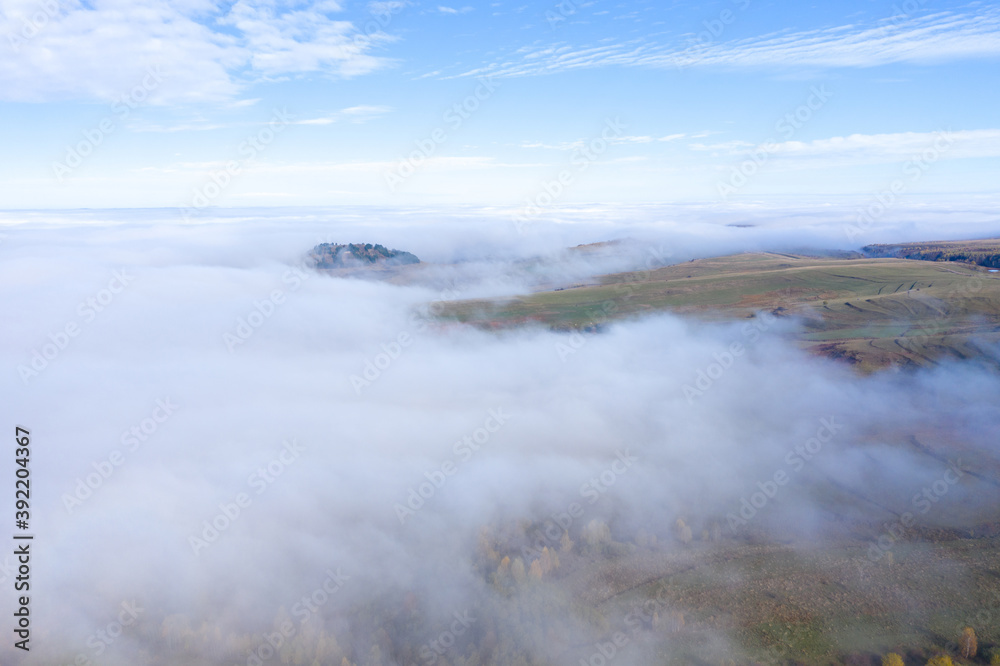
(358, 255)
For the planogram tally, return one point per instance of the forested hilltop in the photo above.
(981, 252)
(356, 255)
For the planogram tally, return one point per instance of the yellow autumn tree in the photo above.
(175, 629)
(546, 560)
(968, 646)
(683, 531)
(486, 541)
(517, 569)
(892, 659)
(943, 660)
(565, 544)
(535, 571)
(504, 567)
(327, 648)
(675, 621)
(596, 532)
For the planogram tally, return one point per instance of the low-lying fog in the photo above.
(172, 375)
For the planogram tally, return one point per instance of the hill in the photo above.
(358, 255)
(872, 312)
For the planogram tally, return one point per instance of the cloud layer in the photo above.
(218, 369)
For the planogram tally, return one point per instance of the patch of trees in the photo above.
(981, 254)
(967, 648)
(535, 609)
(355, 255)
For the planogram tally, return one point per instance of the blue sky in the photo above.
(194, 104)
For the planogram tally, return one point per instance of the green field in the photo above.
(869, 311)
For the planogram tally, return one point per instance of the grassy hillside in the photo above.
(783, 598)
(871, 311)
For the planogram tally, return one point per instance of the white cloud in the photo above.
(360, 114)
(452, 10)
(329, 120)
(298, 41)
(386, 7)
(354, 114)
(182, 127)
(580, 143)
(101, 51)
(724, 147)
(939, 37)
(646, 139)
(565, 145)
(874, 148)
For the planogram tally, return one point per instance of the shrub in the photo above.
(892, 659)
(943, 660)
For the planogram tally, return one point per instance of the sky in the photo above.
(195, 104)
